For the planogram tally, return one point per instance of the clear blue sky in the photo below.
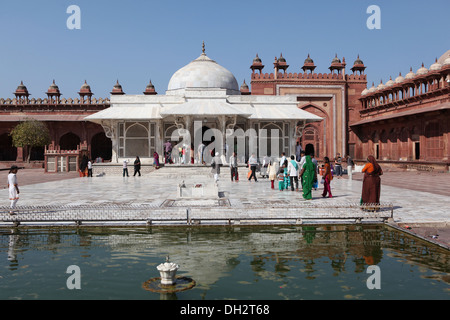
(135, 40)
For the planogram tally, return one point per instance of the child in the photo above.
(272, 170)
(280, 176)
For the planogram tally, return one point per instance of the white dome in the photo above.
(445, 57)
(372, 89)
(381, 86)
(435, 66)
(390, 82)
(364, 92)
(422, 70)
(410, 74)
(399, 79)
(203, 73)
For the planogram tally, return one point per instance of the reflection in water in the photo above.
(281, 262)
(12, 257)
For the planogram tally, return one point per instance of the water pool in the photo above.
(248, 263)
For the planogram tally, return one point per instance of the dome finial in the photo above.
(203, 47)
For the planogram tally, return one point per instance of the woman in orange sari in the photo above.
(371, 182)
(327, 177)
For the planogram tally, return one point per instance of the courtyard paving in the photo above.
(420, 201)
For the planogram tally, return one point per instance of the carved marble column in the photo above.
(188, 137)
(292, 140)
(223, 128)
(110, 128)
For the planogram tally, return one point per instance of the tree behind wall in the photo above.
(30, 133)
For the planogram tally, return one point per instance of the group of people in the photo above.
(185, 154)
(181, 156)
(85, 166)
(302, 167)
(137, 165)
(288, 174)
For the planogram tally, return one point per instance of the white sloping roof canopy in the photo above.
(261, 108)
(203, 107)
(127, 112)
(280, 112)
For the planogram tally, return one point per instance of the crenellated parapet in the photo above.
(308, 76)
(356, 77)
(53, 101)
(413, 87)
(45, 101)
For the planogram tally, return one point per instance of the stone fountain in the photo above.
(198, 190)
(168, 282)
(168, 271)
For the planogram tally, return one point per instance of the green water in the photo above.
(252, 263)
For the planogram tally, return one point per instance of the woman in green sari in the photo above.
(308, 175)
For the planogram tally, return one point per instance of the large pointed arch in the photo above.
(7, 151)
(69, 141)
(318, 133)
(101, 146)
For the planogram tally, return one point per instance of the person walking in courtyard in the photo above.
(281, 179)
(338, 165)
(272, 170)
(298, 151)
(215, 165)
(83, 166)
(327, 177)
(283, 158)
(125, 168)
(350, 166)
(192, 154)
(316, 164)
(89, 168)
(167, 152)
(253, 162)
(137, 166)
(302, 162)
(293, 173)
(201, 150)
(234, 167)
(371, 182)
(13, 187)
(287, 181)
(309, 175)
(265, 166)
(155, 160)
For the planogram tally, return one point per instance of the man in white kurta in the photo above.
(13, 187)
(293, 173)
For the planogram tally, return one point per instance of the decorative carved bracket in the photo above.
(299, 129)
